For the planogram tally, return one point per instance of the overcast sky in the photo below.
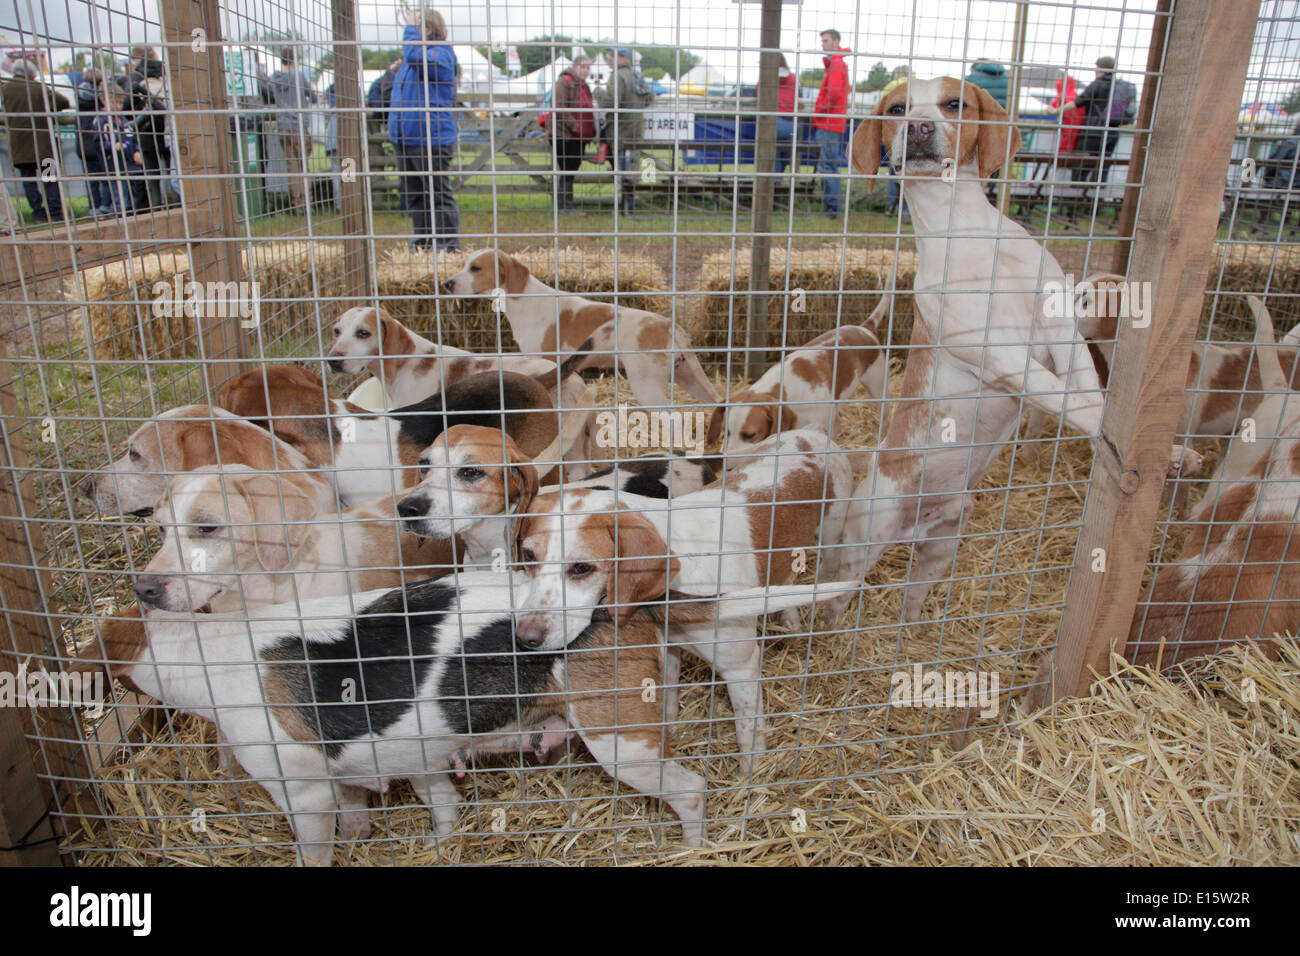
(935, 36)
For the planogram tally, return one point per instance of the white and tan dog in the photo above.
(806, 389)
(584, 549)
(195, 436)
(654, 351)
(237, 540)
(412, 368)
(984, 340)
(478, 481)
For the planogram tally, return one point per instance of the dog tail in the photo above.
(573, 363)
(1270, 367)
(752, 602)
(879, 312)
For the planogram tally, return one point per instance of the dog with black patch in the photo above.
(336, 696)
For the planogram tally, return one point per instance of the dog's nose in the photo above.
(336, 364)
(412, 506)
(530, 634)
(921, 129)
(148, 591)
(449, 286)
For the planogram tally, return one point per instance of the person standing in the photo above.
(1066, 92)
(31, 144)
(117, 146)
(830, 119)
(293, 94)
(380, 96)
(574, 126)
(992, 78)
(88, 144)
(422, 127)
(625, 97)
(1110, 104)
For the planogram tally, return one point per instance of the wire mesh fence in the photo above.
(334, 296)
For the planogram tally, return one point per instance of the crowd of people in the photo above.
(124, 136)
(123, 139)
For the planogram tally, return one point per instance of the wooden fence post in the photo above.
(1209, 47)
(353, 145)
(192, 35)
(757, 334)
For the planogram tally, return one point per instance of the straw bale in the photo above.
(839, 287)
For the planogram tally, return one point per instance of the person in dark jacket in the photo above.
(574, 124)
(1109, 103)
(89, 92)
(28, 105)
(380, 96)
(422, 127)
(294, 96)
(118, 147)
(1279, 170)
(991, 77)
(149, 120)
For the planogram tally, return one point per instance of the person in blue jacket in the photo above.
(422, 127)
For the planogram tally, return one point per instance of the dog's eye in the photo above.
(896, 110)
(527, 556)
(953, 105)
(473, 268)
(135, 455)
(336, 331)
(580, 570)
(747, 436)
(469, 474)
(206, 529)
(363, 333)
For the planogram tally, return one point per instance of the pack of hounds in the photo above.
(304, 598)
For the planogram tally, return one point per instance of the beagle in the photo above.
(1238, 575)
(806, 389)
(367, 454)
(237, 540)
(654, 351)
(412, 368)
(1223, 382)
(984, 340)
(478, 478)
(324, 699)
(581, 549)
(195, 436)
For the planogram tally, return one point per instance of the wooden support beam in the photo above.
(24, 798)
(357, 229)
(1209, 48)
(760, 255)
(1137, 161)
(192, 34)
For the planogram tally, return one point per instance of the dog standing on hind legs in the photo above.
(983, 340)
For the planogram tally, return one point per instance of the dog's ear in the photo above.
(512, 275)
(865, 150)
(195, 442)
(715, 424)
(521, 479)
(522, 523)
(280, 509)
(787, 419)
(996, 133)
(119, 645)
(644, 567)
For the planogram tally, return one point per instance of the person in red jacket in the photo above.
(830, 119)
(787, 91)
(1066, 91)
(574, 124)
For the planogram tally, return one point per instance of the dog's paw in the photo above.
(1184, 462)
